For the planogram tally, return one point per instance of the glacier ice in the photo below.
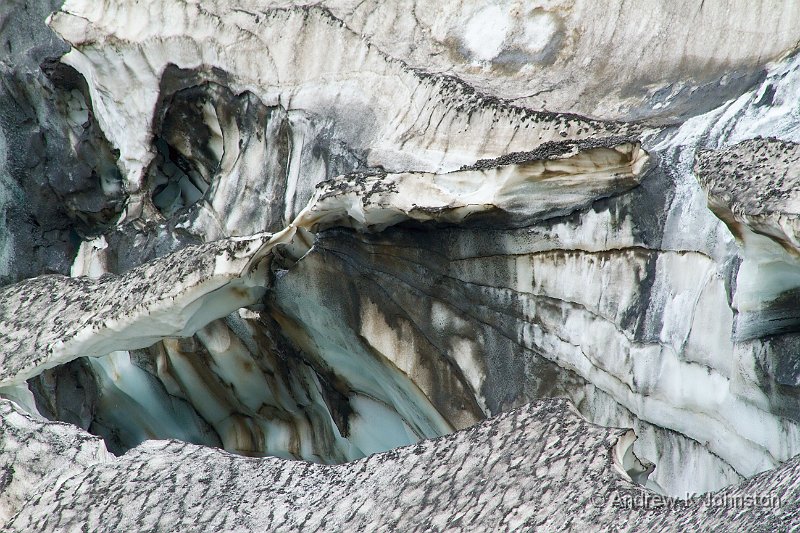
(325, 232)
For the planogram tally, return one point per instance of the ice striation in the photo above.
(325, 232)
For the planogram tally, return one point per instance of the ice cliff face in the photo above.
(289, 235)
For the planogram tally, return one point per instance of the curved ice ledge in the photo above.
(51, 320)
(753, 188)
